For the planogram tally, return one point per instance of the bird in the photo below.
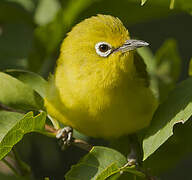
(100, 85)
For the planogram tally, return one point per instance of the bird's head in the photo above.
(99, 45)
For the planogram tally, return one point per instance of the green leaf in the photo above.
(13, 126)
(46, 11)
(100, 162)
(15, 11)
(168, 67)
(8, 121)
(28, 5)
(13, 55)
(168, 60)
(109, 171)
(172, 3)
(17, 95)
(190, 68)
(143, 2)
(177, 145)
(35, 81)
(177, 108)
(16, 32)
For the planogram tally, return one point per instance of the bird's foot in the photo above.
(132, 158)
(134, 154)
(65, 135)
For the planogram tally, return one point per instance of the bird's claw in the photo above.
(132, 162)
(65, 135)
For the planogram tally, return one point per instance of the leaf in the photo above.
(8, 121)
(16, 32)
(46, 11)
(168, 67)
(177, 108)
(17, 95)
(172, 3)
(28, 5)
(190, 68)
(143, 2)
(168, 60)
(13, 55)
(13, 126)
(35, 81)
(109, 171)
(16, 11)
(177, 145)
(98, 163)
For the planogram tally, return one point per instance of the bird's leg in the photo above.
(133, 156)
(66, 136)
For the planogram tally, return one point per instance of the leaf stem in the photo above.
(4, 107)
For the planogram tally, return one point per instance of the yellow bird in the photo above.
(100, 86)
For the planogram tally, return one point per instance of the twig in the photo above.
(4, 107)
(82, 144)
(50, 129)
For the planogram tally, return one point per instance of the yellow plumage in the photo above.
(100, 96)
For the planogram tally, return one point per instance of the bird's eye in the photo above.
(103, 49)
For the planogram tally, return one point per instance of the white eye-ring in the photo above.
(103, 49)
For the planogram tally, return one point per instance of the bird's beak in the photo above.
(131, 45)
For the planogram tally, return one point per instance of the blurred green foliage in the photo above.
(31, 32)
